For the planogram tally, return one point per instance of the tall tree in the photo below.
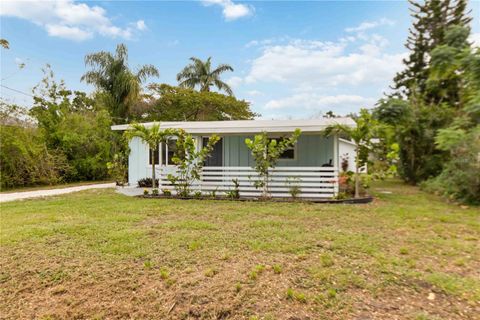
(431, 20)
(168, 103)
(120, 86)
(199, 73)
(424, 102)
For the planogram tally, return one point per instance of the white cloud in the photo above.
(141, 25)
(234, 81)
(311, 101)
(255, 93)
(72, 33)
(367, 25)
(316, 63)
(475, 39)
(69, 19)
(231, 11)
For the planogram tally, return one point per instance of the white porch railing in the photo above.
(312, 182)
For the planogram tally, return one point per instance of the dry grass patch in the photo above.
(100, 255)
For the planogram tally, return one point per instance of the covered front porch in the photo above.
(307, 170)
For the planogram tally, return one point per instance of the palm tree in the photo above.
(199, 73)
(360, 134)
(112, 76)
(152, 136)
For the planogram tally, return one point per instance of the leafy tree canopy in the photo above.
(169, 103)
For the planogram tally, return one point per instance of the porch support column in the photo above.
(335, 164)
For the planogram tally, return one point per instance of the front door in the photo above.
(216, 157)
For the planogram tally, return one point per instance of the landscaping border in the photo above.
(361, 200)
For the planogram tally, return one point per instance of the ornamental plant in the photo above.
(266, 152)
(189, 162)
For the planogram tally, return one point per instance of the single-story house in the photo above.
(312, 165)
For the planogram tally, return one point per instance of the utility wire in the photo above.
(24, 93)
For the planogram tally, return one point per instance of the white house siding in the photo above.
(137, 161)
(347, 149)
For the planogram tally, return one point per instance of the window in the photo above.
(168, 150)
(288, 154)
(172, 147)
(155, 157)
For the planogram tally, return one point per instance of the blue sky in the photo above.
(291, 59)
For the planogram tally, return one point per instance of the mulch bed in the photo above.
(361, 200)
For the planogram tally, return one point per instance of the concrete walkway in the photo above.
(4, 197)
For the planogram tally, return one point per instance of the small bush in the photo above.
(197, 194)
(145, 192)
(155, 192)
(166, 192)
(146, 182)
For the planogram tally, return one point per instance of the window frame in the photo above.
(294, 148)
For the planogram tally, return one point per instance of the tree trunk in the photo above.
(153, 168)
(357, 180)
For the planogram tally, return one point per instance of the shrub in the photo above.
(155, 192)
(146, 182)
(166, 192)
(235, 192)
(460, 178)
(25, 159)
(145, 192)
(293, 187)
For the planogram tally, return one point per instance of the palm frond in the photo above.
(145, 71)
(223, 86)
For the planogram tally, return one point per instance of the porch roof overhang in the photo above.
(248, 126)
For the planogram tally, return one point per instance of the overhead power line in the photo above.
(24, 93)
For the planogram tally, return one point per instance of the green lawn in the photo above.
(100, 255)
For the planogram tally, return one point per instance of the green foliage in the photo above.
(189, 161)
(460, 178)
(74, 125)
(294, 187)
(199, 73)
(171, 103)
(118, 168)
(431, 20)
(361, 134)
(25, 159)
(266, 152)
(119, 86)
(235, 192)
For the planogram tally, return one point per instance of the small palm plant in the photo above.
(152, 136)
(200, 73)
(360, 134)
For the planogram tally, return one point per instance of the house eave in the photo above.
(248, 126)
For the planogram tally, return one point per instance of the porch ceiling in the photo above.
(248, 126)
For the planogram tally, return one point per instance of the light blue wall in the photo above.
(311, 150)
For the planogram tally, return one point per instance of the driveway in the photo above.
(4, 197)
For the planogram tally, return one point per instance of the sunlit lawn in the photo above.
(98, 254)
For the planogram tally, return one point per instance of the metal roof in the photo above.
(248, 126)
